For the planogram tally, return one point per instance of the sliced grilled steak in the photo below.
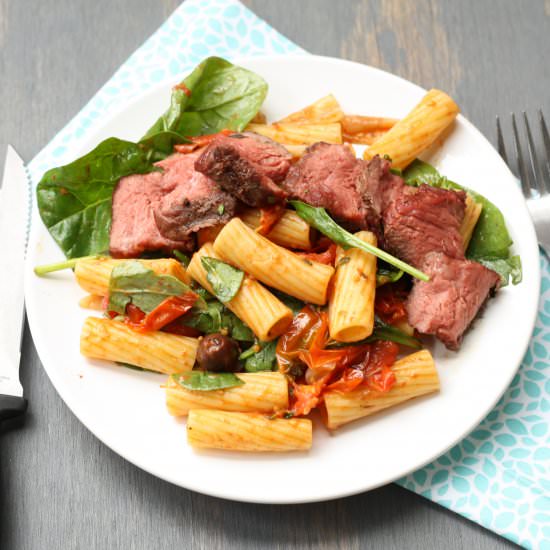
(161, 210)
(421, 220)
(248, 166)
(331, 176)
(190, 201)
(447, 304)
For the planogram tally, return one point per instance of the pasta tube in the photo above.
(416, 375)
(351, 305)
(290, 231)
(265, 314)
(264, 392)
(365, 129)
(417, 131)
(322, 111)
(273, 265)
(471, 216)
(237, 431)
(299, 134)
(116, 341)
(93, 274)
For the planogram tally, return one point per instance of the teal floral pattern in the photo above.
(499, 475)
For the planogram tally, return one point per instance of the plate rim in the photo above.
(64, 393)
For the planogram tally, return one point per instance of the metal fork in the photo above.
(534, 175)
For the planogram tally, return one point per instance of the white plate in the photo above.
(125, 409)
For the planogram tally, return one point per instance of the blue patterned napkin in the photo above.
(499, 475)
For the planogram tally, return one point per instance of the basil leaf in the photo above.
(133, 282)
(74, 200)
(318, 218)
(225, 279)
(197, 380)
(263, 360)
(490, 240)
(217, 95)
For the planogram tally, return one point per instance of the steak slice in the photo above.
(190, 200)
(421, 220)
(446, 305)
(248, 166)
(161, 210)
(330, 176)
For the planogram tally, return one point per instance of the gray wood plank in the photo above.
(59, 486)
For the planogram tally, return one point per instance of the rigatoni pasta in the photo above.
(158, 351)
(265, 314)
(323, 111)
(236, 431)
(93, 274)
(471, 217)
(264, 392)
(415, 374)
(417, 131)
(299, 134)
(351, 305)
(290, 231)
(273, 265)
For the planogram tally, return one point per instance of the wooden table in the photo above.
(62, 488)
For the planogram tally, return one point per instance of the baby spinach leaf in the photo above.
(386, 274)
(74, 200)
(225, 279)
(383, 331)
(510, 268)
(197, 380)
(217, 95)
(181, 257)
(215, 317)
(133, 282)
(490, 242)
(263, 360)
(318, 218)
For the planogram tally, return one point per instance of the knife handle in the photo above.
(12, 406)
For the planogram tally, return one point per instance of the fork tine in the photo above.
(523, 175)
(535, 166)
(500, 142)
(546, 141)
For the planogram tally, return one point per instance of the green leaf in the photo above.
(385, 332)
(183, 258)
(74, 200)
(385, 274)
(163, 142)
(197, 380)
(217, 95)
(263, 360)
(490, 240)
(225, 279)
(318, 218)
(215, 317)
(133, 282)
(510, 268)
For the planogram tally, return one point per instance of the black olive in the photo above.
(218, 353)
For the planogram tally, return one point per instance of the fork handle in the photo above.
(11, 406)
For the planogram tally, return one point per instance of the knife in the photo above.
(14, 225)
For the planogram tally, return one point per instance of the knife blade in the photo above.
(14, 222)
